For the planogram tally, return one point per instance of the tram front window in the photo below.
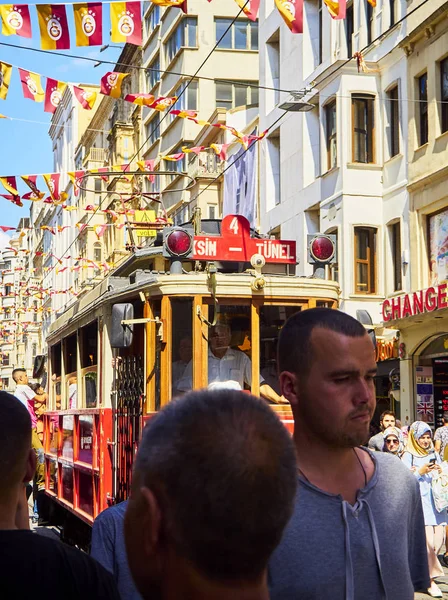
(182, 341)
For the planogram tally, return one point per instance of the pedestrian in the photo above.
(424, 462)
(339, 543)
(30, 399)
(213, 488)
(376, 442)
(393, 441)
(441, 438)
(109, 550)
(33, 565)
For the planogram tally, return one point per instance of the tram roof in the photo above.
(125, 288)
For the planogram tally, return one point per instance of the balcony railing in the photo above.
(205, 164)
(96, 155)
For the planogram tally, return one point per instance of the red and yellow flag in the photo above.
(10, 185)
(140, 99)
(15, 19)
(111, 83)
(292, 14)
(336, 8)
(54, 32)
(74, 176)
(52, 181)
(30, 181)
(251, 10)
(5, 78)
(163, 103)
(31, 86)
(147, 165)
(372, 3)
(88, 23)
(53, 94)
(126, 22)
(86, 98)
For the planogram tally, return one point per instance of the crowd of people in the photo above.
(225, 504)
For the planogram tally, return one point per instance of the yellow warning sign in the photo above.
(145, 216)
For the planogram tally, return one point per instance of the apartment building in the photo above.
(176, 46)
(420, 313)
(340, 165)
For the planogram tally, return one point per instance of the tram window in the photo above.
(272, 319)
(89, 345)
(182, 340)
(89, 364)
(56, 366)
(67, 483)
(85, 487)
(70, 350)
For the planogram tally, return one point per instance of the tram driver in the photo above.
(227, 366)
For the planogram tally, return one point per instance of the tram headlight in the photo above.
(177, 242)
(321, 248)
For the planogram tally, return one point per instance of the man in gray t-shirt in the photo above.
(357, 532)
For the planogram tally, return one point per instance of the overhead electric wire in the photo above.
(141, 67)
(161, 120)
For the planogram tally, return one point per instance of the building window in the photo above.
(33, 351)
(369, 22)
(273, 70)
(188, 97)
(231, 95)
(423, 108)
(212, 211)
(363, 127)
(152, 130)
(273, 179)
(349, 27)
(184, 36)
(392, 9)
(5, 361)
(394, 121)
(238, 35)
(330, 124)
(319, 10)
(176, 166)
(395, 239)
(98, 189)
(444, 95)
(153, 74)
(365, 257)
(152, 20)
(437, 249)
(333, 268)
(97, 256)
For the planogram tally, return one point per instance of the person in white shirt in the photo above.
(30, 399)
(227, 365)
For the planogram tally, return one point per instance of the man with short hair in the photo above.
(28, 398)
(376, 442)
(357, 531)
(29, 563)
(227, 366)
(213, 488)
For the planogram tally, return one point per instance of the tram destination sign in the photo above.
(236, 244)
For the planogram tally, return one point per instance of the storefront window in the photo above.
(438, 247)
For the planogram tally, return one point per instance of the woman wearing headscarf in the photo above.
(393, 441)
(424, 462)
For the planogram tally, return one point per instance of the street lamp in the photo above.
(296, 105)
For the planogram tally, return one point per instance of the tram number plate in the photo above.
(236, 244)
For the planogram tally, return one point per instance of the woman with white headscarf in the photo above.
(424, 462)
(393, 441)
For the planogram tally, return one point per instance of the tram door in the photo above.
(130, 400)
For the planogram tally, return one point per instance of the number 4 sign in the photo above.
(236, 244)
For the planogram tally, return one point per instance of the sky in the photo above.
(25, 147)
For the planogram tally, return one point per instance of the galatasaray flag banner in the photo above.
(30, 181)
(86, 98)
(53, 94)
(5, 78)
(126, 23)
(16, 19)
(336, 8)
(88, 23)
(111, 83)
(31, 86)
(140, 99)
(10, 185)
(163, 103)
(54, 33)
(251, 10)
(292, 14)
(52, 181)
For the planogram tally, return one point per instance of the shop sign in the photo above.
(385, 350)
(415, 303)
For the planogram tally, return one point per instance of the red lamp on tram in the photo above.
(321, 252)
(177, 245)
